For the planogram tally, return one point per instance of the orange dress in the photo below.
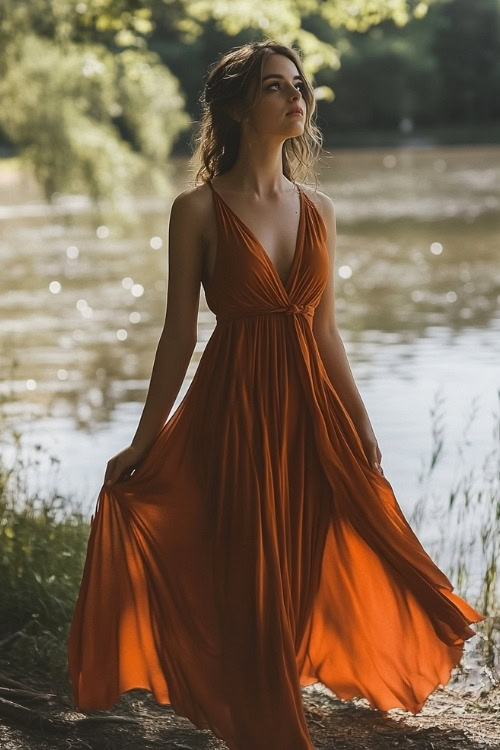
(255, 550)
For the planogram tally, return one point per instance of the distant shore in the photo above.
(446, 135)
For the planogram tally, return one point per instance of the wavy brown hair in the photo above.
(216, 141)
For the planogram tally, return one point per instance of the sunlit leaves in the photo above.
(144, 86)
(324, 93)
(283, 20)
(60, 106)
(88, 104)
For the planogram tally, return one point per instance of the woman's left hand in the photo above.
(371, 448)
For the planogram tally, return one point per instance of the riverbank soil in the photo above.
(36, 715)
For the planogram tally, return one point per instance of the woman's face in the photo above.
(280, 92)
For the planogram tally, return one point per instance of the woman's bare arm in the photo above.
(179, 335)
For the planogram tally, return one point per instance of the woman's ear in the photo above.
(234, 113)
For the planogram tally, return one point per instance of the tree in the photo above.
(91, 107)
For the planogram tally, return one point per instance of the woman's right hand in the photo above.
(121, 466)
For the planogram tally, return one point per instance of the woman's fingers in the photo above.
(109, 476)
(377, 459)
(115, 472)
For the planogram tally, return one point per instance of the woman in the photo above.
(250, 543)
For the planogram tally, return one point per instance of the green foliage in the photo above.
(85, 117)
(43, 542)
(150, 101)
(40, 564)
(95, 94)
(283, 20)
(91, 107)
(466, 47)
(442, 70)
(64, 109)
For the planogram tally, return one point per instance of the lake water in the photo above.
(417, 297)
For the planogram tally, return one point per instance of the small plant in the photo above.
(469, 525)
(42, 549)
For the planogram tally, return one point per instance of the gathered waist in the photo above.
(291, 309)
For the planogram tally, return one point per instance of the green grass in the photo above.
(469, 524)
(42, 550)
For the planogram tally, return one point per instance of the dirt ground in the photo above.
(463, 715)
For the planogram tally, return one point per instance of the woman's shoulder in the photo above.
(191, 213)
(193, 204)
(321, 200)
(193, 197)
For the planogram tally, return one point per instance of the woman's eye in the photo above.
(299, 86)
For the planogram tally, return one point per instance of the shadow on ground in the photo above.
(34, 717)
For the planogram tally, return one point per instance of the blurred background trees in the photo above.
(97, 93)
(82, 98)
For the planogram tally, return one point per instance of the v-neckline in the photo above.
(284, 286)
